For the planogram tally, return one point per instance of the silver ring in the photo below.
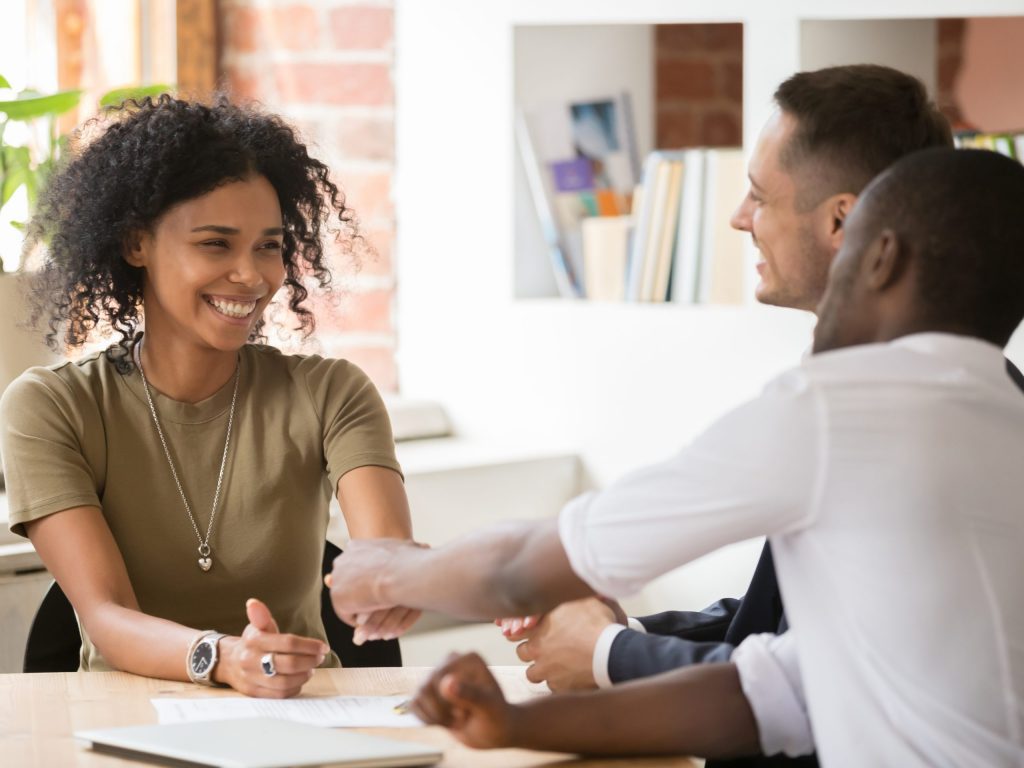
(267, 662)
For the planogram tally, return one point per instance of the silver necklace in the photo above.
(205, 561)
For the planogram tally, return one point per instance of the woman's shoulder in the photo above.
(329, 383)
(71, 392)
(312, 368)
(62, 380)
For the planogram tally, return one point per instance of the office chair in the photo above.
(54, 642)
(379, 653)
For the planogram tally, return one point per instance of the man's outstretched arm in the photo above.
(645, 524)
(512, 569)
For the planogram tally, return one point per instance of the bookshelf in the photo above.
(622, 384)
(579, 54)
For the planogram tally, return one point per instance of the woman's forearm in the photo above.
(77, 547)
(136, 642)
(145, 645)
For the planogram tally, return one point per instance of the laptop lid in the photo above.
(256, 743)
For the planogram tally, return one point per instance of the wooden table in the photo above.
(38, 713)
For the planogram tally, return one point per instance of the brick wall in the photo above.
(699, 85)
(326, 66)
(949, 55)
(699, 81)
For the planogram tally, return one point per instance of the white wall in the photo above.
(908, 45)
(622, 385)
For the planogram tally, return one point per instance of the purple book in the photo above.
(573, 175)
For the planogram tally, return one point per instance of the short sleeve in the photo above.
(42, 426)
(754, 472)
(769, 673)
(356, 427)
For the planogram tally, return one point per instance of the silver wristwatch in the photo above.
(202, 657)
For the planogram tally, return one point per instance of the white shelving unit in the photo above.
(621, 385)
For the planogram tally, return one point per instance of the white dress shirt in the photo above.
(890, 480)
(769, 672)
(603, 650)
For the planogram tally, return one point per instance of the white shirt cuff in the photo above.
(602, 651)
(770, 677)
(636, 625)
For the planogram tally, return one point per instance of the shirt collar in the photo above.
(982, 358)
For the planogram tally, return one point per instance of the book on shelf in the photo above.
(1009, 143)
(659, 176)
(678, 244)
(580, 160)
(685, 249)
(690, 235)
(657, 274)
(606, 241)
(643, 202)
(722, 260)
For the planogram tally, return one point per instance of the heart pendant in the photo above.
(205, 563)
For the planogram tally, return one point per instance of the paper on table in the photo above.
(330, 712)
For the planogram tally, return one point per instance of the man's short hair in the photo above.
(853, 122)
(959, 214)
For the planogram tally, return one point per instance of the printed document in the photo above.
(328, 712)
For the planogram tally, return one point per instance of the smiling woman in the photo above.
(212, 265)
(177, 484)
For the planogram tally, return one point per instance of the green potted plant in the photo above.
(28, 166)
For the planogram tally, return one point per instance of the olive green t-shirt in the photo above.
(81, 433)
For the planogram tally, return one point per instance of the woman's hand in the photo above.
(354, 584)
(385, 624)
(294, 658)
(521, 628)
(463, 696)
(516, 629)
(376, 512)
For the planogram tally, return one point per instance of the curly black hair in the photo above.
(154, 154)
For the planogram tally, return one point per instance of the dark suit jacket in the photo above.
(680, 638)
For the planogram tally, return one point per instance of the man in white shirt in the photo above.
(834, 130)
(885, 469)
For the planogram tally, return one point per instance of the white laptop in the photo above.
(256, 743)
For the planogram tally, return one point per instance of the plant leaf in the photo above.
(15, 156)
(13, 181)
(26, 107)
(3, 82)
(118, 96)
(17, 172)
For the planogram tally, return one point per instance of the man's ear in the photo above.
(136, 249)
(839, 207)
(885, 261)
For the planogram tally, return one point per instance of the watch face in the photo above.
(201, 658)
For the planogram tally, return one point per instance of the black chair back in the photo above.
(379, 653)
(54, 643)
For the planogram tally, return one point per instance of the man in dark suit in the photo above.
(834, 130)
